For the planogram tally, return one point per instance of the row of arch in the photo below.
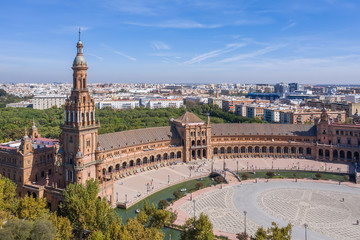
(263, 149)
(141, 161)
(338, 155)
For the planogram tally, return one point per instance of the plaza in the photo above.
(138, 186)
(330, 210)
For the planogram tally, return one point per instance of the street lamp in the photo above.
(306, 226)
(125, 199)
(194, 210)
(272, 164)
(117, 196)
(168, 179)
(245, 212)
(237, 167)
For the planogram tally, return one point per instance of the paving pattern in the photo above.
(219, 206)
(324, 211)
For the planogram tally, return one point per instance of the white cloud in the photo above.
(157, 45)
(252, 54)
(96, 56)
(289, 25)
(175, 24)
(124, 55)
(229, 48)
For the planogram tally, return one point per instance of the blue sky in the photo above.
(182, 41)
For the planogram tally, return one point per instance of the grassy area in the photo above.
(300, 174)
(165, 194)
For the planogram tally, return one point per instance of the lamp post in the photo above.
(168, 179)
(237, 167)
(117, 196)
(194, 210)
(306, 226)
(125, 199)
(272, 164)
(245, 212)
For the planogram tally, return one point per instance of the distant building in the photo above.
(240, 110)
(215, 101)
(281, 88)
(272, 115)
(165, 103)
(47, 101)
(255, 112)
(264, 96)
(295, 117)
(118, 104)
(20, 105)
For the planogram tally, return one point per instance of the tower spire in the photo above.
(79, 34)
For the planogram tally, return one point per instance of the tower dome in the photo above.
(79, 60)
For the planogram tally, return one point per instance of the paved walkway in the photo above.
(136, 187)
(317, 203)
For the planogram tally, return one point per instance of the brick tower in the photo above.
(79, 134)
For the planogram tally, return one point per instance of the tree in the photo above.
(63, 227)
(273, 233)
(318, 175)
(85, 210)
(160, 219)
(97, 235)
(220, 179)
(198, 229)
(346, 178)
(242, 236)
(270, 174)
(178, 194)
(163, 204)
(43, 229)
(7, 194)
(135, 230)
(16, 229)
(199, 185)
(245, 176)
(30, 208)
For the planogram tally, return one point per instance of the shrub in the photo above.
(199, 185)
(245, 176)
(220, 179)
(270, 174)
(295, 175)
(318, 175)
(346, 178)
(163, 204)
(178, 194)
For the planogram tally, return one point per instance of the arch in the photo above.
(321, 152)
(308, 151)
(250, 149)
(117, 167)
(131, 163)
(204, 142)
(243, 149)
(110, 169)
(124, 165)
(145, 160)
(178, 154)
(286, 150)
(34, 195)
(342, 154)
(199, 153)
(335, 154)
(215, 151)
(349, 156)
(228, 150)
(264, 149)
(158, 157)
(193, 143)
(356, 156)
(236, 150)
(271, 149)
(172, 155)
(138, 162)
(165, 156)
(152, 158)
(222, 150)
(104, 171)
(293, 150)
(257, 149)
(204, 153)
(278, 150)
(28, 193)
(193, 154)
(327, 153)
(301, 150)
(198, 143)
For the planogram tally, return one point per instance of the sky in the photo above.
(182, 41)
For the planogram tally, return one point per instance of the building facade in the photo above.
(45, 167)
(48, 101)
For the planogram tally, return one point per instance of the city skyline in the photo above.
(182, 41)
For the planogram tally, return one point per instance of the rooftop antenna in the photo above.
(79, 34)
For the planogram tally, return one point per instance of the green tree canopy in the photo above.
(198, 229)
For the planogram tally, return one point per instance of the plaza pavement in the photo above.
(136, 187)
(317, 203)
